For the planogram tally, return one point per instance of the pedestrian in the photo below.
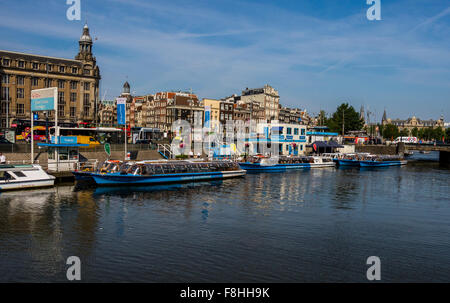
(2, 159)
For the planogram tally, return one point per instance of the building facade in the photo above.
(267, 97)
(77, 82)
(411, 123)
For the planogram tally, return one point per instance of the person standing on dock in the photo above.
(2, 159)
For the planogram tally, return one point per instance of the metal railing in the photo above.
(165, 150)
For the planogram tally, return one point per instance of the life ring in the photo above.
(315, 147)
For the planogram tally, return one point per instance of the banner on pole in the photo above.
(121, 110)
(44, 99)
(208, 117)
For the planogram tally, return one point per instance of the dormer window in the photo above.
(62, 69)
(35, 65)
(21, 64)
(49, 67)
(74, 70)
(6, 62)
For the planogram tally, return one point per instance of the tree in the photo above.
(348, 115)
(404, 133)
(447, 134)
(415, 132)
(390, 131)
(322, 118)
(438, 134)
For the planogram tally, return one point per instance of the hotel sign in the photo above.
(44, 99)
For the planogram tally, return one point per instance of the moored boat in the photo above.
(280, 164)
(14, 177)
(383, 161)
(147, 172)
(109, 166)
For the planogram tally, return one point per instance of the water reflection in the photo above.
(306, 225)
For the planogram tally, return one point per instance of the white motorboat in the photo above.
(14, 177)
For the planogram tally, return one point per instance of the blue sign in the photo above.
(121, 111)
(65, 140)
(207, 116)
(43, 99)
(35, 116)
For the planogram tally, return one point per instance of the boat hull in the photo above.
(347, 162)
(26, 184)
(118, 179)
(256, 167)
(83, 176)
(382, 163)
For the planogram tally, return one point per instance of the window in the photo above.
(295, 131)
(73, 111)
(20, 93)
(34, 81)
(86, 111)
(60, 97)
(49, 67)
(73, 84)
(5, 93)
(61, 110)
(48, 82)
(87, 85)
(86, 100)
(35, 65)
(5, 79)
(6, 62)
(20, 109)
(289, 130)
(303, 131)
(74, 70)
(19, 174)
(21, 64)
(61, 83)
(62, 69)
(73, 97)
(20, 80)
(86, 72)
(3, 108)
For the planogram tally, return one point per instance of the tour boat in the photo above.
(157, 172)
(280, 164)
(13, 177)
(109, 166)
(383, 161)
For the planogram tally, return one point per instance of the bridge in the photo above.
(400, 148)
(428, 147)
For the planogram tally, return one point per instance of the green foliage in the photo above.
(181, 157)
(403, 133)
(415, 132)
(431, 133)
(347, 114)
(390, 132)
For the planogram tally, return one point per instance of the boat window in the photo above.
(158, 169)
(4, 175)
(19, 174)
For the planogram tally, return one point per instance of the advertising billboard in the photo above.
(44, 99)
(121, 110)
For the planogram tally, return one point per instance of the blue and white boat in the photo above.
(145, 173)
(281, 164)
(383, 161)
(18, 177)
(109, 166)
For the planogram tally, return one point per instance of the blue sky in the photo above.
(317, 53)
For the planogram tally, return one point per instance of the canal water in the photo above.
(316, 225)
